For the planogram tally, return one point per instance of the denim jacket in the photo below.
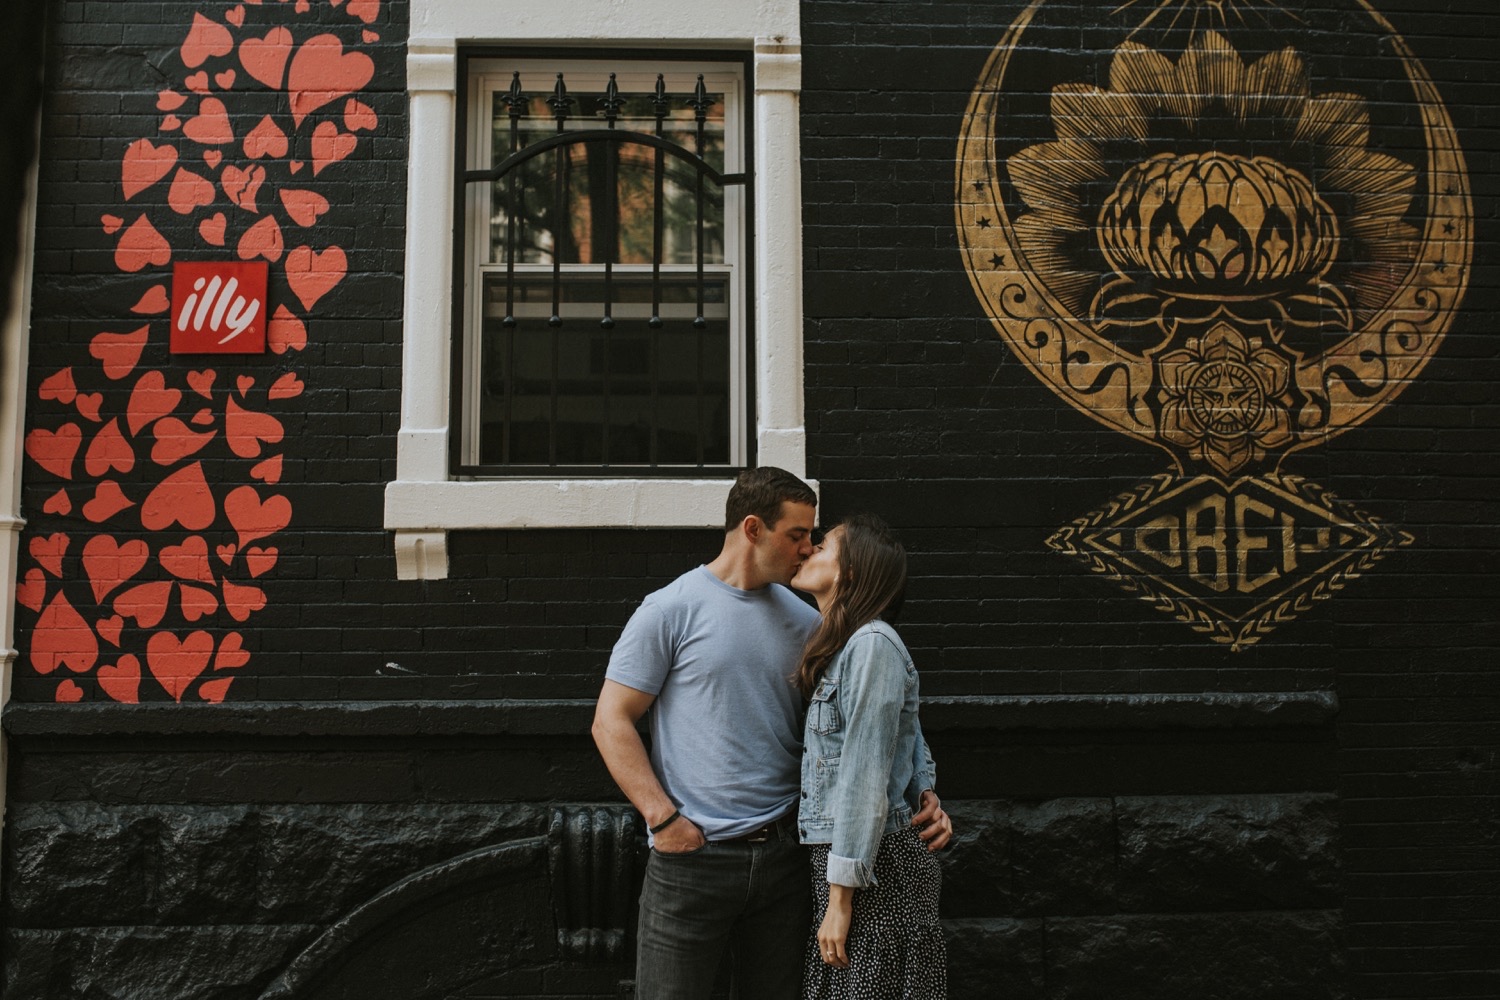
(864, 761)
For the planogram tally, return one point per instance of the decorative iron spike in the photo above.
(659, 103)
(515, 101)
(612, 102)
(560, 102)
(700, 102)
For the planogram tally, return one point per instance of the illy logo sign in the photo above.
(219, 308)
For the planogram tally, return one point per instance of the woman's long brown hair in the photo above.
(872, 584)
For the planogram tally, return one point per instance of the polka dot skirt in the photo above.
(895, 945)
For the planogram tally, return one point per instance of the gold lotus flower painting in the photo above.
(1210, 239)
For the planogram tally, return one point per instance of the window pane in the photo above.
(529, 192)
(627, 396)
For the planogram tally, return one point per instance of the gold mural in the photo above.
(1209, 240)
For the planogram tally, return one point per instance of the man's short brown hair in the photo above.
(761, 492)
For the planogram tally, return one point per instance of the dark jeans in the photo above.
(749, 898)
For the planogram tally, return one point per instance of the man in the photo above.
(710, 656)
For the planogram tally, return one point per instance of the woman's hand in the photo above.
(833, 934)
(933, 824)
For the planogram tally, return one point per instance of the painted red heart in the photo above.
(202, 382)
(236, 15)
(303, 207)
(365, 10)
(188, 561)
(198, 82)
(55, 450)
(213, 158)
(109, 629)
(109, 565)
(169, 100)
(118, 353)
(189, 191)
(215, 690)
(241, 185)
(224, 80)
(155, 301)
(196, 602)
(212, 229)
(243, 384)
(226, 553)
(253, 518)
(211, 125)
(68, 692)
(146, 603)
(31, 591)
(63, 638)
(285, 332)
(141, 245)
(182, 498)
(286, 387)
(175, 441)
(265, 58)
(358, 116)
(59, 386)
(302, 6)
(295, 166)
(176, 663)
(313, 275)
(329, 145)
(205, 39)
(171, 123)
(203, 417)
(268, 471)
(109, 450)
(261, 240)
(88, 405)
(369, 37)
(122, 680)
(246, 429)
(144, 164)
(232, 654)
(110, 224)
(48, 551)
(108, 501)
(260, 561)
(322, 71)
(58, 503)
(151, 399)
(266, 139)
(242, 602)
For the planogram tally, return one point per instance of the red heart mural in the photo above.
(358, 116)
(241, 602)
(246, 429)
(253, 518)
(213, 158)
(108, 501)
(176, 663)
(63, 638)
(49, 551)
(88, 405)
(175, 441)
(55, 450)
(322, 71)
(231, 655)
(202, 382)
(365, 10)
(225, 80)
(122, 680)
(205, 39)
(140, 246)
(211, 125)
(288, 386)
(150, 400)
(236, 15)
(260, 561)
(215, 690)
(109, 564)
(212, 229)
(68, 691)
(118, 353)
(261, 240)
(285, 332)
(146, 603)
(169, 100)
(329, 146)
(58, 503)
(197, 602)
(265, 58)
(144, 165)
(242, 185)
(313, 275)
(109, 450)
(182, 498)
(153, 302)
(303, 207)
(188, 561)
(31, 592)
(58, 386)
(268, 471)
(189, 191)
(265, 139)
(109, 629)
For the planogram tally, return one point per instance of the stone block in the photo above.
(203, 865)
(977, 876)
(1063, 853)
(1289, 955)
(73, 863)
(1228, 852)
(995, 958)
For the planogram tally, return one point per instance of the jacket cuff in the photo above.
(850, 871)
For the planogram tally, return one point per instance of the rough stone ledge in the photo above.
(571, 717)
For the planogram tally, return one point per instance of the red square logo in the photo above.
(219, 308)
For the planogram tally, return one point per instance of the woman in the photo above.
(864, 767)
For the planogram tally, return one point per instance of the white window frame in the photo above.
(424, 503)
(585, 79)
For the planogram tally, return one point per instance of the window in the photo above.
(602, 273)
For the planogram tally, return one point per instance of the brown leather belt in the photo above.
(762, 834)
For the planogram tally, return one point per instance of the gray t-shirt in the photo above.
(726, 727)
